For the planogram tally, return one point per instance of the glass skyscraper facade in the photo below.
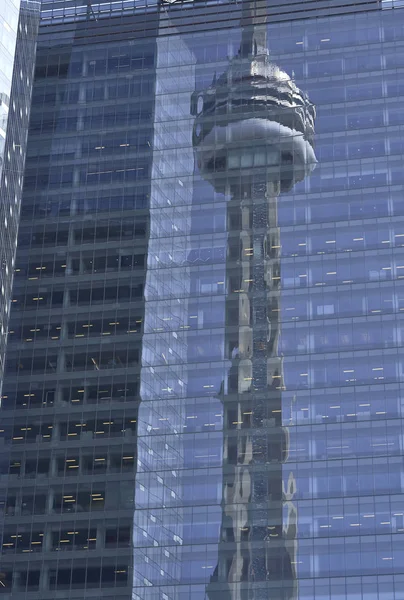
(18, 26)
(9, 20)
(205, 361)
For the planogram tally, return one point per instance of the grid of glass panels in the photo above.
(8, 35)
(17, 52)
(153, 453)
(70, 11)
(78, 300)
(9, 21)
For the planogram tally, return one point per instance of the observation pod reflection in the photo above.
(253, 139)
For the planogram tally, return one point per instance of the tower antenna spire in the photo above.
(253, 23)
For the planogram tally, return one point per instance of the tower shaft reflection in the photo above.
(253, 140)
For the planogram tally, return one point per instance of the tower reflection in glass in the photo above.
(253, 140)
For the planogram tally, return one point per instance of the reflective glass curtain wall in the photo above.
(9, 22)
(18, 26)
(71, 399)
(203, 396)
